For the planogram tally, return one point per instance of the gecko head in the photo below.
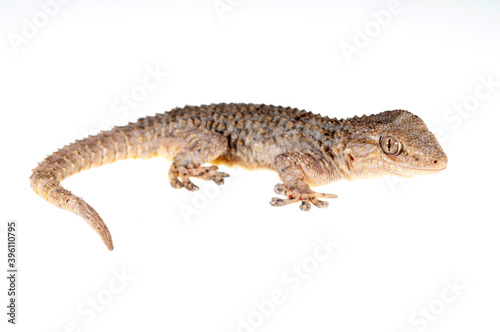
(398, 143)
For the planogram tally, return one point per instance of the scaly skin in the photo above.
(305, 150)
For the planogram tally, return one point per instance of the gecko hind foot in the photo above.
(303, 195)
(209, 173)
(202, 172)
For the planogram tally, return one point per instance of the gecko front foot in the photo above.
(302, 194)
(184, 173)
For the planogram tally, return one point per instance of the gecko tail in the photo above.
(46, 186)
(45, 183)
(94, 220)
(71, 159)
(131, 141)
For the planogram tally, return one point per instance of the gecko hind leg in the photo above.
(190, 149)
(295, 170)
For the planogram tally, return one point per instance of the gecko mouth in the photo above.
(409, 170)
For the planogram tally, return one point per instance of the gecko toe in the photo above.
(218, 178)
(219, 181)
(305, 206)
(318, 203)
(275, 201)
(321, 195)
(280, 189)
(175, 183)
(190, 185)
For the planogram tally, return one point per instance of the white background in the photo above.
(402, 242)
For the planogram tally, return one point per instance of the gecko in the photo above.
(305, 150)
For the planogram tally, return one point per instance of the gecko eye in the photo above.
(390, 145)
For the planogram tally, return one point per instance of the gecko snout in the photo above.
(441, 163)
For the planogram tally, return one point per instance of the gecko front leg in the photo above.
(298, 170)
(190, 149)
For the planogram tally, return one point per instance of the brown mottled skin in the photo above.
(305, 150)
